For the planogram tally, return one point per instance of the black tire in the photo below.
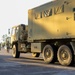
(15, 52)
(35, 54)
(49, 54)
(65, 55)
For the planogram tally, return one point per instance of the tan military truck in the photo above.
(50, 31)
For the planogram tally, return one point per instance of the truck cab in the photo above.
(19, 33)
(19, 39)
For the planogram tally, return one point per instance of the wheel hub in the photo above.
(47, 53)
(64, 55)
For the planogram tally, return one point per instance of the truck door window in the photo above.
(17, 29)
(23, 27)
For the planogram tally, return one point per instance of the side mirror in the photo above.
(8, 31)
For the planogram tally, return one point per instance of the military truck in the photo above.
(50, 31)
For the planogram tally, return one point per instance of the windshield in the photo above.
(13, 31)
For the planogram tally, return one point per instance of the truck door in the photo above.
(22, 32)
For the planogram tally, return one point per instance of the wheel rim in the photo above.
(64, 55)
(47, 53)
(14, 50)
(33, 54)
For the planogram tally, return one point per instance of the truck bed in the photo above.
(54, 20)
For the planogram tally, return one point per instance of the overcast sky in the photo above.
(14, 12)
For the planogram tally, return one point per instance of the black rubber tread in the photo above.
(17, 53)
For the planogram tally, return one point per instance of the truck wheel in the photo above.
(65, 55)
(15, 52)
(35, 54)
(48, 54)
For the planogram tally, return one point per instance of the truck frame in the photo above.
(50, 31)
